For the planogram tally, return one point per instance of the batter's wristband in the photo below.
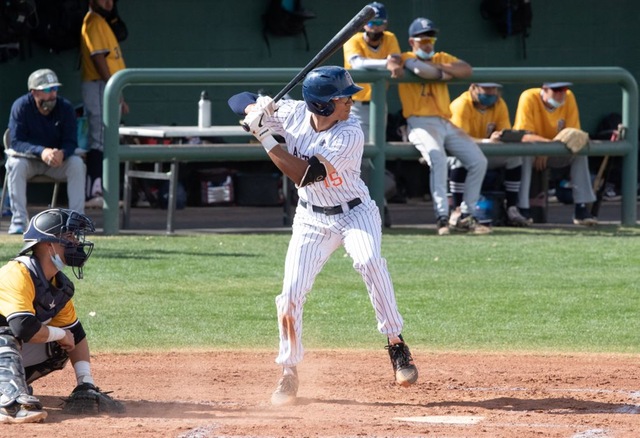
(269, 143)
(55, 334)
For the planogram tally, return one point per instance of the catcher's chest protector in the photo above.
(49, 300)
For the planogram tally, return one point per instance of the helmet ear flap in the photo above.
(324, 109)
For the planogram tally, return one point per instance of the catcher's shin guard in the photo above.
(57, 360)
(13, 385)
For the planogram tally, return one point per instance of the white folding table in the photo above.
(172, 175)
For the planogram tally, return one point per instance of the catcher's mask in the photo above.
(65, 227)
(324, 84)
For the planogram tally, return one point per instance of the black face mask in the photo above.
(374, 36)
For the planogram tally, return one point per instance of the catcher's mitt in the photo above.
(89, 400)
(573, 138)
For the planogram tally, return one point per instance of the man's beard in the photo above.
(48, 105)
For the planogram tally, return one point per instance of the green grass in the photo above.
(514, 290)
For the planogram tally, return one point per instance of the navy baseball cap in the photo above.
(381, 11)
(557, 84)
(422, 25)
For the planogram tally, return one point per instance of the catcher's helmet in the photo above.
(323, 84)
(65, 227)
(422, 25)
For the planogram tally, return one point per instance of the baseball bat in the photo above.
(601, 177)
(350, 29)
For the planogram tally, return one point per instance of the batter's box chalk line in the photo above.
(443, 419)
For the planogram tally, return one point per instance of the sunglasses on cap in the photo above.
(376, 22)
(49, 89)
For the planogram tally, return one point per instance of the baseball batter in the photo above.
(324, 146)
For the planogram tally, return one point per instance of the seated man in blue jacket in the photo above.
(43, 139)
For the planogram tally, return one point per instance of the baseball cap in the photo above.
(488, 84)
(381, 11)
(557, 84)
(422, 25)
(43, 78)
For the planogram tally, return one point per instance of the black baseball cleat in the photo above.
(406, 372)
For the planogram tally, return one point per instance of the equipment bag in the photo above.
(285, 18)
(510, 17)
(59, 24)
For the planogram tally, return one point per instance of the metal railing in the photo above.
(379, 150)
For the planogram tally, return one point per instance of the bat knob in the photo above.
(245, 127)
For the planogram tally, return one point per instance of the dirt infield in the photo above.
(347, 393)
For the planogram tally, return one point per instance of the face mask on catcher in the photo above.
(56, 260)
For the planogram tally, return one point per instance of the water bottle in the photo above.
(204, 111)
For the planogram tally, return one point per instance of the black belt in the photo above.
(330, 211)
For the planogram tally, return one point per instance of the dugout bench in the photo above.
(379, 150)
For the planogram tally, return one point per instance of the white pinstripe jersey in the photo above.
(342, 146)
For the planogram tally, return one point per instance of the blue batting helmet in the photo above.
(323, 84)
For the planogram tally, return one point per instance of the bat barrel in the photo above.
(350, 29)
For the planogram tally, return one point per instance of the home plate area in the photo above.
(351, 393)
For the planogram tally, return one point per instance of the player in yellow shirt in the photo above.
(544, 112)
(483, 114)
(425, 105)
(101, 58)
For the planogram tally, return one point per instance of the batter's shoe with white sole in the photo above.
(406, 372)
(287, 389)
(29, 411)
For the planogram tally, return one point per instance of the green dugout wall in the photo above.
(218, 33)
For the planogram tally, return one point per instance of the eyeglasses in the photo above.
(49, 89)
(376, 22)
(425, 40)
(559, 89)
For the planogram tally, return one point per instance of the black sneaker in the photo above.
(405, 371)
(286, 391)
(583, 217)
(442, 225)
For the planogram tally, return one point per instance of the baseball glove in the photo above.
(87, 399)
(573, 138)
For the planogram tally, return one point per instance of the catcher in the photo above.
(39, 328)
